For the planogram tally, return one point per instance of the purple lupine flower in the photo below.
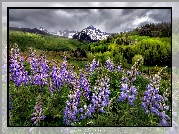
(53, 76)
(164, 122)
(134, 71)
(85, 85)
(71, 76)
(86, 111)
(39, 70)
(155, 103)
(17, 71)
(100, 97)
(124, 87)
(124, 80)
(37, 115)
(10, 105)
(118, 68)
(71, 108)
(92, 66)
(59, 76)
(109, 65)
(129, 92)
(64, 69)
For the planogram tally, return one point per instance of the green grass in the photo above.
(42, 42)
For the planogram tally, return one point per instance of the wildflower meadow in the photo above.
(49, 93)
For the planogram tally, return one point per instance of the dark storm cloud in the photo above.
(143, 23)
(127, 11)
(123, 19)
(107, 20)
(31, 17)
(161, 15)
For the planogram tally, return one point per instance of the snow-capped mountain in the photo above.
(89, 33)
(92, 33)
(42, 29)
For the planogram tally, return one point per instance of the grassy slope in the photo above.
(54, 47)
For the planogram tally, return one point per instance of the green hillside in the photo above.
(42, 42)
(124, 48)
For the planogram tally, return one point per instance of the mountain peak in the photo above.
(90, 34)
(90, 27)
(42, 29)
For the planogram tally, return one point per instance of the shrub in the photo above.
(136, 57)
(119, 58)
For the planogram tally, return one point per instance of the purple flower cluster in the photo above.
(100, 97)
(64, 69)
(93, 65)
(34, 62)
(86, 111)
(71, 108)
(37, 115)
(15, 53)
(59, 76)
(17, 71)
(40, 70)
(155, 103)
(133, 72)
(119, 68)
(85, 85)
(109, 65)
(54, 75)
(129, 92)
(71, 76)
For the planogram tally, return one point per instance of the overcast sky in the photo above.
(107, 20)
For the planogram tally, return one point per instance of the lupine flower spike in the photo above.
(154, 102)
(37, 115)
(129, 92)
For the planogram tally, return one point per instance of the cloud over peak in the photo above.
(108, 20)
